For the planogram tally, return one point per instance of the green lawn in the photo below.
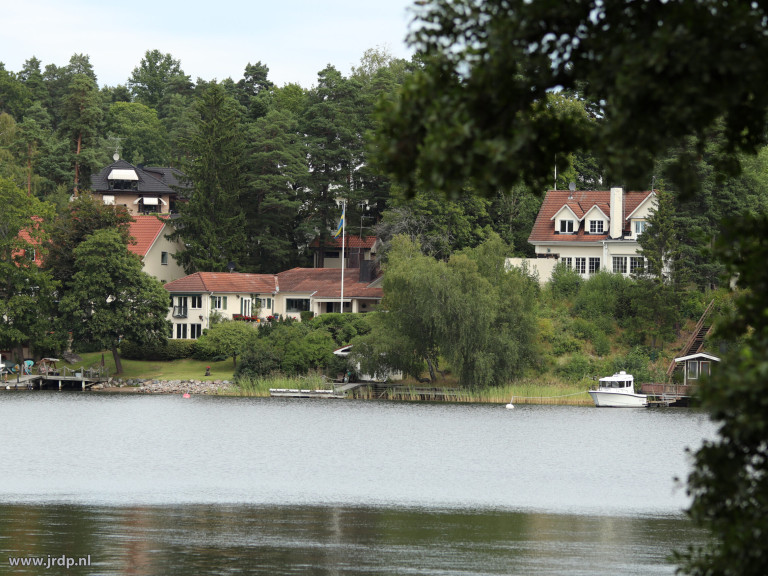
(186, 369)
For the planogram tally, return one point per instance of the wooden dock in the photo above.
(65, 378)
(299, 393)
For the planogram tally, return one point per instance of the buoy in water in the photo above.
(186, 394)
(510, 406)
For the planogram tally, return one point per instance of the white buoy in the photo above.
(510, 406)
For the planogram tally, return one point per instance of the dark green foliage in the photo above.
(602, 300)
(470, 310)
(480, 108)
(635, 362)
(576, 367)
(109, 296)
(342, 327)
(212, 222)
(729, 483)
(159, 351)
(565, 282)
(259, 360)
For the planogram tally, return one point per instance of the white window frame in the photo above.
(596, 227)
(566, 226)
(195, 330)
(567, 261)
(636, 264)
(196, 302)
(619, 264)
(181, 331)
(218, 302)
(164, 258)
(581, 265)
(594, 265)
(640, 227)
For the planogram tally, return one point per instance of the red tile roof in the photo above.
(349, 242)
(145, 229)
(229, 282)
(326, 283)
(581, 203)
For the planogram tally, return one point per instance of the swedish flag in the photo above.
(340, 227)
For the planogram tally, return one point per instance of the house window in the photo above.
(581, 265)
(219, 302)
(164, 258)
(566, 226)
(181, 331)
(297, 304)
(640, 226)
(195, 330)
(567, 262)
(29, 253)
(245, 306)
(109, 199)
(594, 265)
(595, 226)
(266, 303)
(619, 264)
(636, 264)
(197, 301)
(180, 308)
(704, 367)
(693, 369)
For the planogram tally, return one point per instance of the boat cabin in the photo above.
(620, 380)
(696, 366)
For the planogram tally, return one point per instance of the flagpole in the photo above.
(343, 227)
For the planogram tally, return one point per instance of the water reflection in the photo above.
(339, 540)
(165, 485)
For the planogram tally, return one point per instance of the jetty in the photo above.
(60, 379)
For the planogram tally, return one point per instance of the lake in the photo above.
(216, 485)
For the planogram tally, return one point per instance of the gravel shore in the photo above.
(166, 386)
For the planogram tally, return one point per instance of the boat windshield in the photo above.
(616, 383)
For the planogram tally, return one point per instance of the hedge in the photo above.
(168, 350)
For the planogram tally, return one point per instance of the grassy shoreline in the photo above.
(526, 391)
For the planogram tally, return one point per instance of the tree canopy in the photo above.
(652, 72)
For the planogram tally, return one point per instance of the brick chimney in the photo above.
(617, 213)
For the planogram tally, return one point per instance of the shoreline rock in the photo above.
(139, 386)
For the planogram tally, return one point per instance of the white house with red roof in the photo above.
(155, 250)
(256, 297)
(590, 231)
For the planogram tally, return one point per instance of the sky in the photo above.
(213, 40)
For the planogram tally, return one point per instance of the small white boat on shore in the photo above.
(618, 391)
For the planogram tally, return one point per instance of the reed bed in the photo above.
(261, 386)
(520, 392)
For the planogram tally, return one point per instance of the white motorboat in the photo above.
(618, 391)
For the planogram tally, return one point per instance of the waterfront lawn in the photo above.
(185, 369)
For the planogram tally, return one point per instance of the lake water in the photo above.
(208, 485)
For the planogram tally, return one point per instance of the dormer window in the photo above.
(596, 227)
(566, 226)
(123, 179)
(640, 226)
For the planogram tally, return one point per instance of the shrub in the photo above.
(577, 367)
(306, 315)
(258, 360)
(565, 282)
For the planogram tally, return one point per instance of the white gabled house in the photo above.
(589, 231)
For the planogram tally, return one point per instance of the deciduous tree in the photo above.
(111, 298)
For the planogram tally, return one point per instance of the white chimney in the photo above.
(617, 213)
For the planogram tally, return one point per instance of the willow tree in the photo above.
(470, 311)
